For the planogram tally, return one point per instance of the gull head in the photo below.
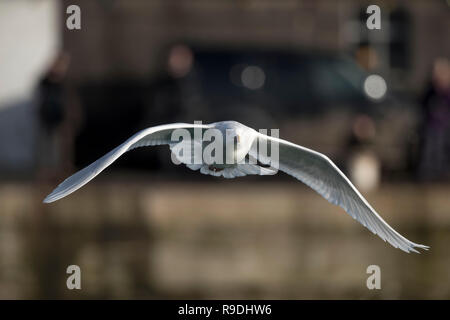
(238, 139)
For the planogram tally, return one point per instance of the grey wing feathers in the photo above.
(147, 137)
(321, 174)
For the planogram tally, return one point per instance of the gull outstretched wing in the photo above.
(158, 135)
(321, 174)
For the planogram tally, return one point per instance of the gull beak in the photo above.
(238, 138)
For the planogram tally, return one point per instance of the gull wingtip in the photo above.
(47, 199)
(50, 198)
(419, 246)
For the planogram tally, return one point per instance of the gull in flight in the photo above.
(311, 167)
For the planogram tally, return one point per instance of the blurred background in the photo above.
(376, 101)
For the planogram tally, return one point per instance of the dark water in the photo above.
(218, 240)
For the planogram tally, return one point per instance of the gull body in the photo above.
(311, 167)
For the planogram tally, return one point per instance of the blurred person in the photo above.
(363, 164)
(167, 95)
(436, 123)
(367, 57)
(58, 115)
